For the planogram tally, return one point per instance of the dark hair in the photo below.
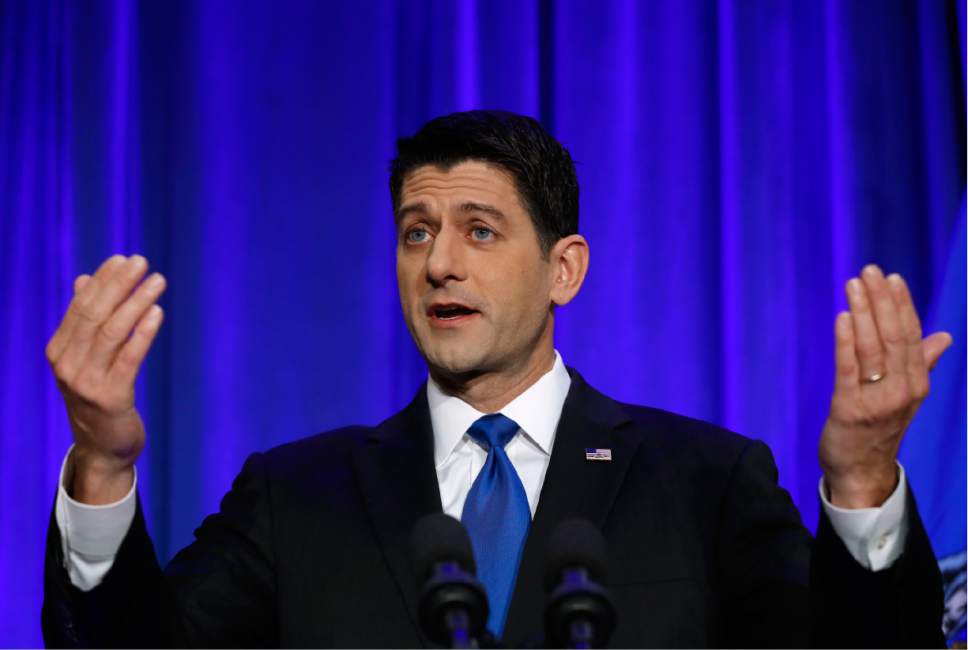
(543, 172)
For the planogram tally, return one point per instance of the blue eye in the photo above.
(482, 234)
(416, 236)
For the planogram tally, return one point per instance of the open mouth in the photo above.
(450, 312)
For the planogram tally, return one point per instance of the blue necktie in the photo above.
(497, 516)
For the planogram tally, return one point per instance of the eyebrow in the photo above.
(408, 209)
(467, 206)
(471, 206)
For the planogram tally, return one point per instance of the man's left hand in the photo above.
(882, 378)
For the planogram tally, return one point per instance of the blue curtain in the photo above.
(739, 161)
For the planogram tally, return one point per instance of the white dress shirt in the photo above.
(459, 458)
(92, 535)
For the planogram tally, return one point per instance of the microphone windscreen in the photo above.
(440, 538)
(575, 543)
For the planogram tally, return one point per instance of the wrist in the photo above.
(95, 479)
(867, 488)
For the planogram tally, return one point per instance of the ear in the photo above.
(569, 263)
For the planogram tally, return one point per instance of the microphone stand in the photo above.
(452, 593)
(579, 611)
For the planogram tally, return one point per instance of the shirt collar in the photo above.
(536, 410)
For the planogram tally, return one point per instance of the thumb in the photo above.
(933, 346)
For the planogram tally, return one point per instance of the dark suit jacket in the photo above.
(310, 548)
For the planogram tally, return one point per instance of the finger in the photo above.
(934, 346)
(128, 362)
(917, 371)
(115, 331)
(867, 343)
(81, 318)
(90, 286)
(58, 340)
(83, 291)
(845, 355)
(86, 290)
(887, 321)
(98, 307)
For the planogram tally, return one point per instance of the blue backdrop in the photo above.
(739, 161)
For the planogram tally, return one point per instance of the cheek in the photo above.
(407, 275)
(523, 294)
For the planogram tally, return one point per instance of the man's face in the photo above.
(474, 285)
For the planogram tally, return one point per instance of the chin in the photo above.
(455, 363)
(455, 359)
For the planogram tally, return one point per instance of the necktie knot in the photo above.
(493, 431)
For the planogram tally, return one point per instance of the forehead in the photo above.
(470, 180)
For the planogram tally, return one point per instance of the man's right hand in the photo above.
(95, 354)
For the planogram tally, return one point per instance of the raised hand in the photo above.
(882, 377)
(95, 355)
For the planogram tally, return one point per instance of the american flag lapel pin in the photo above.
(598, 454)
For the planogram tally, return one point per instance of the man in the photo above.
(310, 546)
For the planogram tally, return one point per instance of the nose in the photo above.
(445, 261)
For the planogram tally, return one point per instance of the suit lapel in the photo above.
(399, 485)
(573, 487)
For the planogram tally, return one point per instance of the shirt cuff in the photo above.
(875, 537)
(91, 535)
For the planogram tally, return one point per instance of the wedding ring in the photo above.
(873, 379)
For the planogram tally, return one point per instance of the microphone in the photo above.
(579, 613)
(453, 606)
